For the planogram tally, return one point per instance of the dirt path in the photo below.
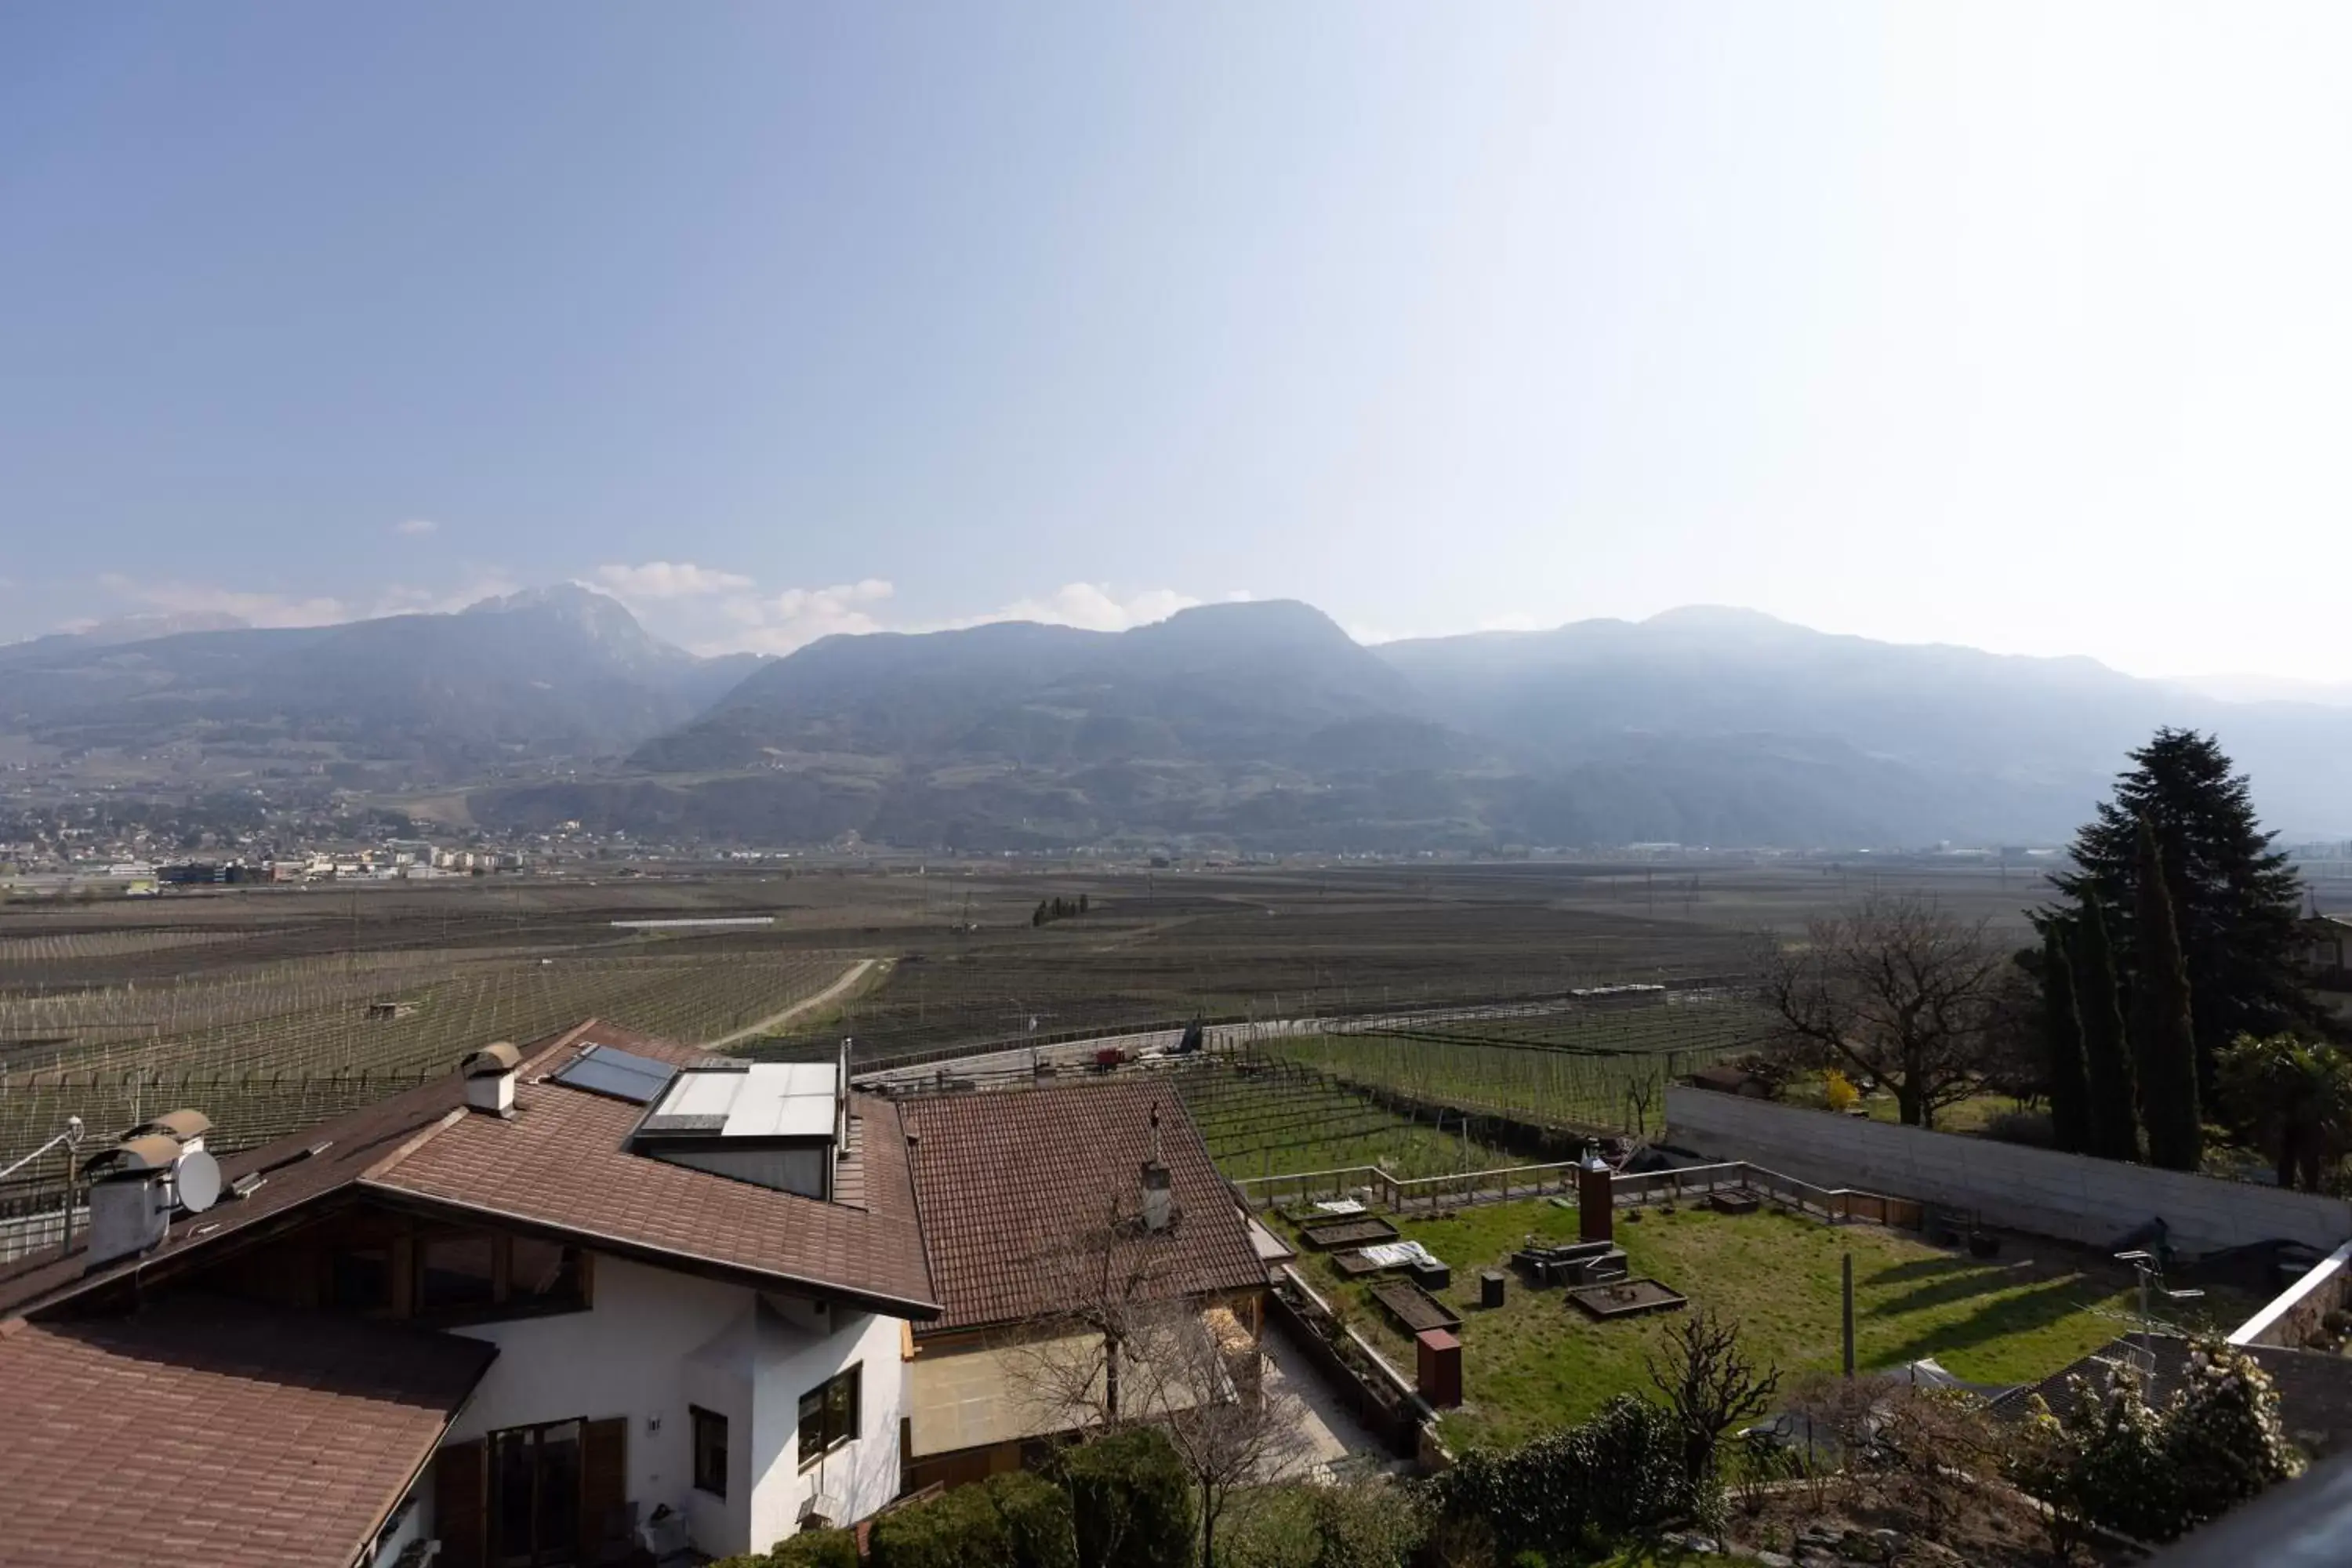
(849, 977)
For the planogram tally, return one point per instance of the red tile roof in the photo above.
(1008, 1183)
(562, 1165)
(214, 1432)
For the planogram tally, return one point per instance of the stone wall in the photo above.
(2070, 1196)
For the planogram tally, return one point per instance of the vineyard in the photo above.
(1271, 1119)
(1128, 963)
(374, 1014)
(1603, 1070)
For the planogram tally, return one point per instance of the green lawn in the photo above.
(1537, 1362)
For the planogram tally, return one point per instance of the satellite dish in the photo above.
(195, 1178)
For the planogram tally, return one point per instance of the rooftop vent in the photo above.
(188, 1127)
(137, 1185)
(1158, 1191)
(490, 1078)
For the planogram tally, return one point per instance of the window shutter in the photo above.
(603, 1488)
(460, 1491)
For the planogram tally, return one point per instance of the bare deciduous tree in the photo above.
(1895, 988)
(1127, 1350)
(1709, 1387)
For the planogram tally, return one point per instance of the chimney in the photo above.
(1159, 1193)
(490, 1078)
(131, 1197)
(1596, 1197)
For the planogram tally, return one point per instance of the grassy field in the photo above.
(1537, 1362)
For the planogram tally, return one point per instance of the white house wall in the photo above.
(863, 1473)
(655, 1342)
(624, 1357)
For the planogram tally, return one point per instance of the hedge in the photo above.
(1131, 1501)
(1014, 1520)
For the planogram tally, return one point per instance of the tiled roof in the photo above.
(209, 1432)
(563, 1163)
(559, 1163)
(1010, 1182)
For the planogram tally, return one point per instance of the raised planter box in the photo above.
(1734, 1203)
(1413, 1308)
(1363, 1232)
(1627, 1299)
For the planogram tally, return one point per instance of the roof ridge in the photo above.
(414, 1141)
(563, 1041)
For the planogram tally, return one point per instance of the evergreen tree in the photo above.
(2113, 1120)
(2236, 902)
(2163, 1036)
(2068, 1080)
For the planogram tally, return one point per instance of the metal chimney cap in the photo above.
(492, 1060)
(155, 1151)
(186, 1125)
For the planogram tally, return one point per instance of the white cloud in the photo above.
(669, 580)
(266, 609)
(779, 623)
(201, 598)
(403, 599)
(417, 527)
(1092, 606)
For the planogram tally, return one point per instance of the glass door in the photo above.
(535, 1495)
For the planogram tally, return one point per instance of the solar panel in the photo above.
(600, 1069)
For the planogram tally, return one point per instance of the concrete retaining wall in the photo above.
(2071, 1196)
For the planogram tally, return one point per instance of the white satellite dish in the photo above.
(196, 1180)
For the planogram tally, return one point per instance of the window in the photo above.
(709, 1450)
(829, 1414)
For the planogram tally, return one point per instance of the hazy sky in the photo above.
(2023, 326)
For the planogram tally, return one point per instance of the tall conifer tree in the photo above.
(2107, 1059)
(2164, 1041)
(2236, 900)
(2069, 1082)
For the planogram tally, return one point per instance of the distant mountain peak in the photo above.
(1719, 617)
(550, 597)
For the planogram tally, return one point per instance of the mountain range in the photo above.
(1258, 725)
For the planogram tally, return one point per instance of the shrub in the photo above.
(958, 1529)
(809, 1549)
(1303, 1524)
(815, 1549)
(1037, 1521)
(1012, 1521)
(2154, 1472)
(1838, 1091)
(2029, 1127)
(1619, 1472)
(1129, 1501)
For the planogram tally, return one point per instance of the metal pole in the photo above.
(1847, 1270)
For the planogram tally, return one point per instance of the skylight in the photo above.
(600, 1069)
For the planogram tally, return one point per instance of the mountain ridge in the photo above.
(1256, 724)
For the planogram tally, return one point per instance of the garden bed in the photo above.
(1415, 1308)
(1348, 1233)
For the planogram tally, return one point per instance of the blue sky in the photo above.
(1985, 324)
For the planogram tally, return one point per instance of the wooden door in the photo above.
(603, 1489)
(460, 1494)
